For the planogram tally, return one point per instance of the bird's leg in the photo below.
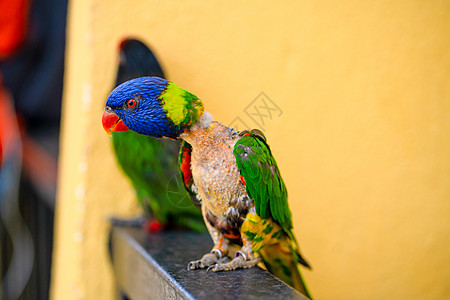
(218, 253)
(244, 259)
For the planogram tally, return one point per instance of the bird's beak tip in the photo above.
(112, 123)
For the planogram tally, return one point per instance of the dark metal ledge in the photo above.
(153, 266)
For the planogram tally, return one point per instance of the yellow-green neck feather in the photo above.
(182, 107)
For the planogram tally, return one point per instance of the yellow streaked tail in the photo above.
(276, 250)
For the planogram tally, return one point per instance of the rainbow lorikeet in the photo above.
(151, 164)
(234, 175)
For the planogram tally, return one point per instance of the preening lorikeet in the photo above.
(151, 164)
(243, 197)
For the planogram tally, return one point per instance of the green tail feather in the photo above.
(277, 250)
(283, 264)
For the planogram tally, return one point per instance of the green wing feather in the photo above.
(271, 229)
(262, 177)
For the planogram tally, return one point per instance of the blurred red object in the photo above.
(13, 21)
(8, 123)
(39, 166)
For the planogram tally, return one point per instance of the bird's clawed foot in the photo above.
(241, 261)
(208, 259)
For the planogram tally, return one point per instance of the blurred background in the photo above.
(32, 44)
(353, 98)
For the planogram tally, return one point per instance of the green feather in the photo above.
(276, 248)
(263, 181)
(271, 229)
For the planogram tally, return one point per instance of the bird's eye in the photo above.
(131, 103)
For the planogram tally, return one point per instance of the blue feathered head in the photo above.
(151, 106)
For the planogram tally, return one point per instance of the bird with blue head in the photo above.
(151, 106)
(151, 164)
(234, 176)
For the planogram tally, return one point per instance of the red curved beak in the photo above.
(112, 123)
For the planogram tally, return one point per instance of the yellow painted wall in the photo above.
(363, 142)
